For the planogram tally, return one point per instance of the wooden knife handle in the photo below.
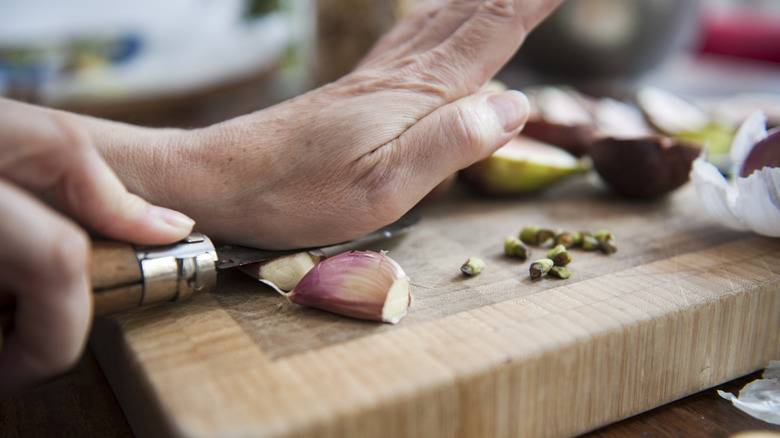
(124, 277)
(117, 277)
(117, 282)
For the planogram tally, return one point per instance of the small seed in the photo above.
(534, 235)
(564, 238)
(560, 272)
(589, 243)
(576, 239)
(528, 235)
(539, 268)
(473, 266)
(606, 241)
(544, 235)
(514, 247)
(559, 255)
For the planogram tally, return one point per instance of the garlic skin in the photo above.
(360, 284)
(747, 203)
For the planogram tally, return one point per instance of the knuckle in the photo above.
(463, 132)
(69, 252)
(501, 8)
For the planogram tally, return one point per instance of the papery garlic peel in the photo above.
(360, 284)
(747, 203)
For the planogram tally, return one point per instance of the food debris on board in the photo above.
(760, 398)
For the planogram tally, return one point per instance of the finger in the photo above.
(451, 138)
(43, 261)
(423, 27)
(40, 149)
(480, 46)
(92, 193)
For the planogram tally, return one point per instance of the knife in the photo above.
(124, 276)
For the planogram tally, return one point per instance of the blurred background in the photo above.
(195, 62)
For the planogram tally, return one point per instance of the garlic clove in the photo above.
(360, 284)
(284, 272)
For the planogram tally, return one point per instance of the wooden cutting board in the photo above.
(684, 305)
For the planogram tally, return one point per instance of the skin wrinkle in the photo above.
(462, 132)
(375, 188)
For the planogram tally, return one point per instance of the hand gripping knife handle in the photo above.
(124, 276)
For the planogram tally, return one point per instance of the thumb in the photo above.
(459, 134)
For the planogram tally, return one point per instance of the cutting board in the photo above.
(685, 304)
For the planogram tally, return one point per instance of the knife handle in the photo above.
(117, 277)
(124, 276)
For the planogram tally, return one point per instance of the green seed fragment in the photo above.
(539, 268)
(564, 238)
(514, 247)
(606, 241)
(576, 239)
(534, 235)
(589, 243)
(543, 235)
(559, 255)
(560, 272)
(473, 266)
(528, 235)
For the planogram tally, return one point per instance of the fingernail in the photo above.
(511, 107)
(174, 218)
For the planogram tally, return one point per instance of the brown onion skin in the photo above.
(765, 153)
(647, 167)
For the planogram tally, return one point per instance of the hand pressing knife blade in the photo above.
(124, 276)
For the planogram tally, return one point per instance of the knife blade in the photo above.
(229, 256)
(125, 277)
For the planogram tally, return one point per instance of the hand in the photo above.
(44, 257)
(353, 155)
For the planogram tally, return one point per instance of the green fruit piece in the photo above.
(715, 136)
(522, 166)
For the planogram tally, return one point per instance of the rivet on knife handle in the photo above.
(124, 277)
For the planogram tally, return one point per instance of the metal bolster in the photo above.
(175, 272)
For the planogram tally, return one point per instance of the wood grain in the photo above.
(684, 305)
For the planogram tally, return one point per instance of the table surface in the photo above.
(80, 403)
